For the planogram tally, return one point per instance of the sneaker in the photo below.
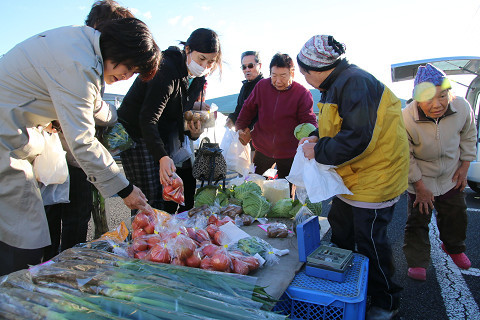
(460, 259)
(377, 313)
(417, 273)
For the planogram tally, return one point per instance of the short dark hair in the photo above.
(251, 53)
(206, 41)
(281, 60)
(129, 41)
(106, 10)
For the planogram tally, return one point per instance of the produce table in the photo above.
(277, 277)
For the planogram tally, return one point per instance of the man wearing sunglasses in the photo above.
(251, 66)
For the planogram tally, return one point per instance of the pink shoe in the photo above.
(460, 259)
(417, 273)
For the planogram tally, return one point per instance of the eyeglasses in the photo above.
(249, 66)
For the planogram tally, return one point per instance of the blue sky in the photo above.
(376, 33)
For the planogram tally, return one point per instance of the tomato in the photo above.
(139, 244)
(153, 240)
(240, 266)
(140, 254)
(178, 197)
(194, 260)
(211, 230)
(206, 263)
(201, 235)
(138, 232)
(150, 228)
(141, 220)
(177, 182)
(158, 254)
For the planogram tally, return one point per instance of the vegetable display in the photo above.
(84, 283)
(170, 241)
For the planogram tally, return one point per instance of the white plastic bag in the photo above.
(236, 155)
(50, 167)
(321, 181)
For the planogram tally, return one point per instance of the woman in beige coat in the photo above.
(442, 135)
(59, 75)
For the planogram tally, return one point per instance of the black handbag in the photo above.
(209, 164)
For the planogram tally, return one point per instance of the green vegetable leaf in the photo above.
(205, 195)
(282, 209)
(255, 205)
(245, 187)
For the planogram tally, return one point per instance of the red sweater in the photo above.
(279, 112)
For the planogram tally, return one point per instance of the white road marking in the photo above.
(458, 300)
(473, 210)
(471, 272)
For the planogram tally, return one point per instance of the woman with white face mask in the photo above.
(152, 114)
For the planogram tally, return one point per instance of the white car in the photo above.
(452, 66)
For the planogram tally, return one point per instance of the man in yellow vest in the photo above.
(361, 132)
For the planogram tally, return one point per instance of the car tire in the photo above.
(475, 186)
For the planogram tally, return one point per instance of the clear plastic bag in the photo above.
(174, 192)
(55, 193)
(50, 167)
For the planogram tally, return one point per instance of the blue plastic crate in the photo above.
(315, 298)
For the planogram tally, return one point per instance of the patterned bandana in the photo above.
(320, 53)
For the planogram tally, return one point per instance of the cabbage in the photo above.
(315, 207)
(281, 209)
(296, 206)
(205, 195)
(245, 187)
(255, 205)
(303, 130)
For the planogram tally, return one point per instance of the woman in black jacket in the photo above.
(152, 113)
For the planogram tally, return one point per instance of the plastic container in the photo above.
(275, 190)
(315, 298)
(322, 261)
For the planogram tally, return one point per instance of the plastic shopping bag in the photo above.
(55, 193)
(50, 167)
(321, 181)
(237, 155)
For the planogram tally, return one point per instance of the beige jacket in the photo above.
(437, 148)
(57, 74)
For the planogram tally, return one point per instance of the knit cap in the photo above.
(320, 53)
(427, 78)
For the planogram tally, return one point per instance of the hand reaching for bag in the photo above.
(137, 200)
(167, 168)
(244, 136)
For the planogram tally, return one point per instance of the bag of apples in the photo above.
(174, 191)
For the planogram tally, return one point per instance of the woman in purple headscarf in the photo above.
(442, 135)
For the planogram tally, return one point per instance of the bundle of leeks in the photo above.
(84, 283)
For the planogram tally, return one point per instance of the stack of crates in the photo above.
(316, 298)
